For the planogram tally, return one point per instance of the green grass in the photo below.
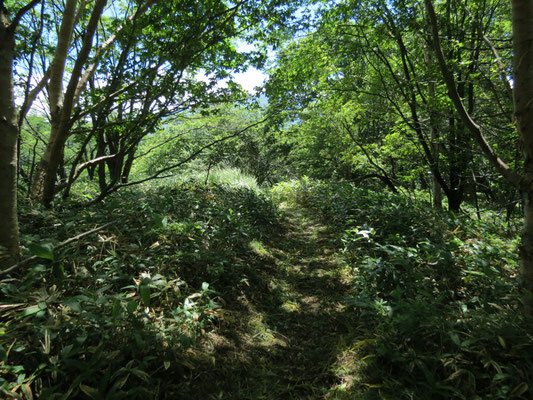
(232, 177)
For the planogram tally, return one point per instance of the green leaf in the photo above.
(519, 390)
(116, 309)
(160, 221)
(89, 391)
(132, 306)
(73, 304)
(42, 250)
(30, 311)
(59, 271)
(145, 295)
(477, 273)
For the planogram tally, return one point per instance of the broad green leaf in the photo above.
(160, 221)
(59, 271)
(132, 306)
(30, 311)
(42, 250)
(73, 304)
(145, 295)
(116, 309)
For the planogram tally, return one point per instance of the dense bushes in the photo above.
(113, 315)
(127, 312)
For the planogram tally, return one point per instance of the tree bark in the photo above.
(9, 239)
(9, 132)
(475, 130)
(523, 110)
(50, 159)
(62, 104)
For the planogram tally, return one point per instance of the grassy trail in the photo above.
(282, 338)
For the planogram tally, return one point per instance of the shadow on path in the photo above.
(282, 338)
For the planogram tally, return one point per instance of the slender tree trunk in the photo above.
(62, 104)
(9, 132)
(436, 189)
(523, 107)
(127, 167)
(47, 167)
(9, 239)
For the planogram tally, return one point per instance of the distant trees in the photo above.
(369, 66)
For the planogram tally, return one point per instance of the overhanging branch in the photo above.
(510, 174)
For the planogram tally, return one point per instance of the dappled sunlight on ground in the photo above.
(287, 340)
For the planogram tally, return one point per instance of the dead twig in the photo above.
(58, 246)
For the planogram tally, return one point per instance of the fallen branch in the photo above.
(58, 246)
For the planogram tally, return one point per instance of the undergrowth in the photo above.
(120, 313)
(437, 295)
(430, 308)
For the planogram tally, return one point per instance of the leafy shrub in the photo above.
(116, 312)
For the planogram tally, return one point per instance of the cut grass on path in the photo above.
(283, 338)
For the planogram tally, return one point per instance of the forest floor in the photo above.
(215, 292)
(285, 341)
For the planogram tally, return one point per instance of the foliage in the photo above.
(330, 288)
(361, 96)
(114, 317)
(437, 294)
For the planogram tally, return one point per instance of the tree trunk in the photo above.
(47, 167)
(9, 232)
(523, 111)
(62, 104)
(9, 132)
(127, 167)
(523, 108)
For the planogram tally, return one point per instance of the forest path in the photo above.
(285, 340)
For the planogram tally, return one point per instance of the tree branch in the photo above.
(510, 174)
(91, 68)
(13, 25)
(58, 246)
(186, 160)
(384, 177)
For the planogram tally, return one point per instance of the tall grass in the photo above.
(228, 176)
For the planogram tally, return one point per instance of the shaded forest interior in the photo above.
(358, 226)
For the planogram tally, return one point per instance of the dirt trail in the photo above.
(284, 340)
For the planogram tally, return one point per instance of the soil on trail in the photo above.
(283, 338)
